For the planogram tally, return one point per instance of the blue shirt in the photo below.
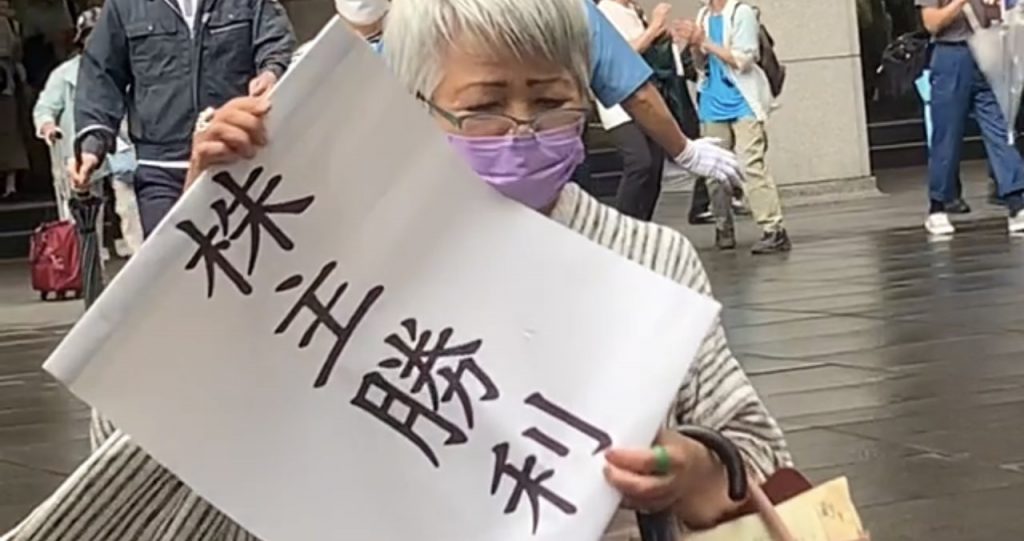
(616, 70)
(720, 100)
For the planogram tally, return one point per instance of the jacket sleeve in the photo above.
(103, 78)
(51, 102)
(273, 38)
(745, 44)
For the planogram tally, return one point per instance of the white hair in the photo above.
(417, 34)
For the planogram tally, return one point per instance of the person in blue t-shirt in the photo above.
(734, 102)
(619, 76)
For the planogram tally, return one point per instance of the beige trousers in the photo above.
(749, 140)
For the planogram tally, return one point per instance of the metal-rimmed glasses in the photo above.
(497, 124)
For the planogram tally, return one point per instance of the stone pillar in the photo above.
(818, 135)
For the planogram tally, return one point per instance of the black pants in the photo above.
(643, 162)
(701, 200)
(157, 189)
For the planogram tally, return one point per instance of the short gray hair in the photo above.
(417, 34)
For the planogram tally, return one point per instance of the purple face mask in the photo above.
(531, 169)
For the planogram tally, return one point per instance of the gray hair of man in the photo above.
(418, 33)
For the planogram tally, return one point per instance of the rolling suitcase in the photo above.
(55, 259)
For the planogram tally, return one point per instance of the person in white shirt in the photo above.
(643, 159)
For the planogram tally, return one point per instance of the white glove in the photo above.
(362, 12)
(706, 158)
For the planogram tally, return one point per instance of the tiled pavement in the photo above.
(893, 360)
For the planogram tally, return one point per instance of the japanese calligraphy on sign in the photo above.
(327, 342)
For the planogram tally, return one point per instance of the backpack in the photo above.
(767, 60)
(55, 260)
(902, 63)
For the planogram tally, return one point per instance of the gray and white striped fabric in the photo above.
(120, 493)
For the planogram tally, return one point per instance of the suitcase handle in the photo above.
(661, 526)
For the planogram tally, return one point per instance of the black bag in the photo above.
(903, 61)
(766, 58)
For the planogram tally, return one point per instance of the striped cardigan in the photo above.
(121, 493)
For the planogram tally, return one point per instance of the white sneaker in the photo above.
(938, 224)
(1016, 223)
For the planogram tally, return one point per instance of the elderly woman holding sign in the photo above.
(506, 82)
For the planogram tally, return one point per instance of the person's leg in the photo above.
(721, 192)
(633, 197)
(700, 203)
(762, 193)
(993, 186)
(128, 210)
(10, 183)
(951, 96)
(957, 205)
(1005, 159)
(156, 190)
(97, 190)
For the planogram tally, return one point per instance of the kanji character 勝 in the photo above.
(419, 357)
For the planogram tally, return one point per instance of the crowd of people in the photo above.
(162, 91)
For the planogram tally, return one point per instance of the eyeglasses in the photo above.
(496, 124)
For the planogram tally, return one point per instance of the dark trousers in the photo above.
(959, 88)
(157, 189)
(643, 162)
(701, 200)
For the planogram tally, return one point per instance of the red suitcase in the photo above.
(55, 257)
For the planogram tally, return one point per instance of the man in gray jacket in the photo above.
(166, 61)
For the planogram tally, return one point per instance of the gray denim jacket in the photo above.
(141, 55)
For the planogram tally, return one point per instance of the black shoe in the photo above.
(772, 243)
(704, 218)
(958, 206)
(725, 239)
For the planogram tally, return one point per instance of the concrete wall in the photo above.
(818, 137)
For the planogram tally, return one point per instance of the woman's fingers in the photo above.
(643, 461)
(207, 153)
(649, 479)
(647, 460)
(249, 104)
(247, 115)
(642, 492)
(237, 139)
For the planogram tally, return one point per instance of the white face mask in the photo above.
(361, 12)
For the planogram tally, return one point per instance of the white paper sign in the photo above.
(360, 427)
